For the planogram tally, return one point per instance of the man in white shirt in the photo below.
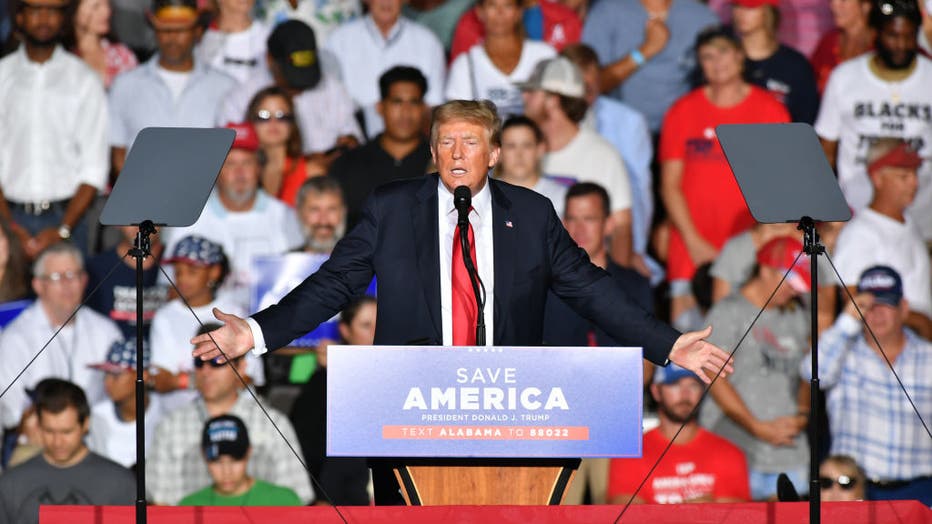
(234, 43)
(53, 120)
(242, 218)
(370, 45)
(883, 234)
(879, 94)
(86, 338)
(554, 99)
(173, 88)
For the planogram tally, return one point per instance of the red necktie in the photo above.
(464, 299)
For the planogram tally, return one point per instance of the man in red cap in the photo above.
(242, 217)
(763, 407)
(884, 234)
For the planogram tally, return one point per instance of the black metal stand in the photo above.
(813, 248)
(141, 250)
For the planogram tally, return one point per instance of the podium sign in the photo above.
(516, 402)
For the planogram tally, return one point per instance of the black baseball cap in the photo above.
(225, 435)
(293, 46)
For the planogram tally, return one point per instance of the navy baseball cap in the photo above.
(122, 357)
(225, 435)
(198, 251)
(884, 283)
(671, 374)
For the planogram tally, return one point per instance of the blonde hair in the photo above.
(479, 112)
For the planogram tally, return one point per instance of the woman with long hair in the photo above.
(94, 42)
(284, 167)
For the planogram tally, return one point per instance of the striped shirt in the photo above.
(870, 418)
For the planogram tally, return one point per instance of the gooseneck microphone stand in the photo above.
(462, 201)
(141, 249)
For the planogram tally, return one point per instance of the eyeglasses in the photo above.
(844, 482)
(264, 115)
(63, 276)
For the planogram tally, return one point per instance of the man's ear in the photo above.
(494, 154)
(655, 392)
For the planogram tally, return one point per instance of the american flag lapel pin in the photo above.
(509, 224)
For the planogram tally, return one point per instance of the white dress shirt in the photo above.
(53, 127)
(481, 219)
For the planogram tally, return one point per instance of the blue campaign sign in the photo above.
(276, 275)
(516, 402)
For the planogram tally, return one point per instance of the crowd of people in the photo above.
(609, 108)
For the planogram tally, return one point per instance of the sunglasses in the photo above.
(844, 482)
(214, 363)
(264, 115)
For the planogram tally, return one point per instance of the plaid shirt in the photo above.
(870, 418)
(176, 468)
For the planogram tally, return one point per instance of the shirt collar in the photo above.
(392, 33)
(481, 203)
(55, 58)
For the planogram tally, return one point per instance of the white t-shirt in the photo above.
(859, 107)
(175, 80)
(116, 439)
(269, 228)
(473, 76)
(553, 190)
(590, 158)
(238, 54)
(872, 239)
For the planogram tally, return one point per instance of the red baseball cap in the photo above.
(781, 253)
(245, 136)
(901, 156)
(756, 3)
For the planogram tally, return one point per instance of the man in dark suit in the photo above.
(405, 238)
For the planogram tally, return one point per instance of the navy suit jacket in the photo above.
(396, 239)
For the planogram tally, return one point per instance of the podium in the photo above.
(483, 425)
(484, 482)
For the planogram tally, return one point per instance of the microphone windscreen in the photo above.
(786, 492)
(462, 198)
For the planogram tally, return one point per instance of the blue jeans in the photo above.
(919, 489)
(764, 484)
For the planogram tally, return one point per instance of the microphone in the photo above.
(462, 200)
(786, 491)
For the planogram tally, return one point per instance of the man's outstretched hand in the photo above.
(690, 351)
(234, 338)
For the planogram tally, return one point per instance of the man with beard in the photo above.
(699, 467)
(242, 218)
(400, 151)
(53, 120)
(322, 212)
(881, 94)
